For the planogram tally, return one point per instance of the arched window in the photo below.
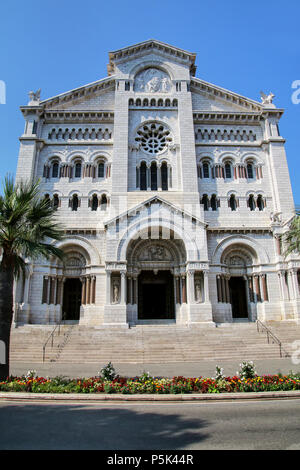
(47, 199)
(251, 202)
(232, 202)
(145, 102)
(205, 202)
(78, 170)
(74, 202)
(164, 177)
(101, 170)
(94, 202)
(138, 102)
(214, 202)
(228, 173)
(55, 168)
(153, 171)
(143, 177)
(130, 102)
(55, 201)
(260, 202)
(250, 172)
(153, 102)
(205, 168)
(103, 202)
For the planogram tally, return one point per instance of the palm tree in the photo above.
(27, 230)
(291, 239)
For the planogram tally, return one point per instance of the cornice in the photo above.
(235, 117)
(136, 50)
(87, 116)
(84, 91)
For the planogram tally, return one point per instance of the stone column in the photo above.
(177, 289)
(223, 289)
(206, 288)
(219, 289)
(183, 281)
(123, 287)
(93, 289)
(108, 287)
(190, 287)
(227, 289)
(264, 287)
(129, 290)
(295, 283)
(257, 288)
(83, 292)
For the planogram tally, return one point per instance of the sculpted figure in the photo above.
(116, 293)
(34, 97)
(267, 99)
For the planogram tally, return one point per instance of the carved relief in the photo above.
(155, 253)
(152, 81)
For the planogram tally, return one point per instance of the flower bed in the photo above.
(147, 384)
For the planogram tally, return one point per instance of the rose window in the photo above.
(153, 137)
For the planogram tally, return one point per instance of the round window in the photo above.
(153, 137)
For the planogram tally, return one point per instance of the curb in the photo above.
(96, 397)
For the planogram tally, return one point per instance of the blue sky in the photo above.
(60, 45)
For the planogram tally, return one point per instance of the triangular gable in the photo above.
(210, 97)
(70, 99)
(153, 200)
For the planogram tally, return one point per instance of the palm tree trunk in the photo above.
(6, 313)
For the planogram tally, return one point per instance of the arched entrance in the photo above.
(238, 297)
(239, 261)
(156, 295)
(72, 299)
(152, 264)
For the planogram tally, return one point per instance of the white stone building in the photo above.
(173, 193)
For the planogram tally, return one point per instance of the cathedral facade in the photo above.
(172, 192)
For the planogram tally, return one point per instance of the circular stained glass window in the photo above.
(153, 137)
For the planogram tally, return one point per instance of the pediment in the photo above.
(153, 207)
(152, 47)
(209, 97)
(98, 95)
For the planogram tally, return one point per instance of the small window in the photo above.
(143, 177)
(101, 170)
(260, 202)
(78, 170)
(75, 202)
(228, 170)
(164, 177)
(94, 202)
(205, 170)
(103, 203)
(204, 201)
(55, 202)
(213, 202)
(153, 171)
(249, 171)
(232, 202)
(55, 168)
(251, 202)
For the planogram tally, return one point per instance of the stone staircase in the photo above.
(150, 343)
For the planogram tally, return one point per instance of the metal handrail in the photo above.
(51, 336)
(271, 335)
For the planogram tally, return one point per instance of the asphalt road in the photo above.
(236, 425)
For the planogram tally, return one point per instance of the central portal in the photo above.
(156, 295)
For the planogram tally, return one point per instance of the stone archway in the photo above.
(152, 268)
(237, 284)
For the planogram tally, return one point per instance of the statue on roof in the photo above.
(34, 97)
(267, 99)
